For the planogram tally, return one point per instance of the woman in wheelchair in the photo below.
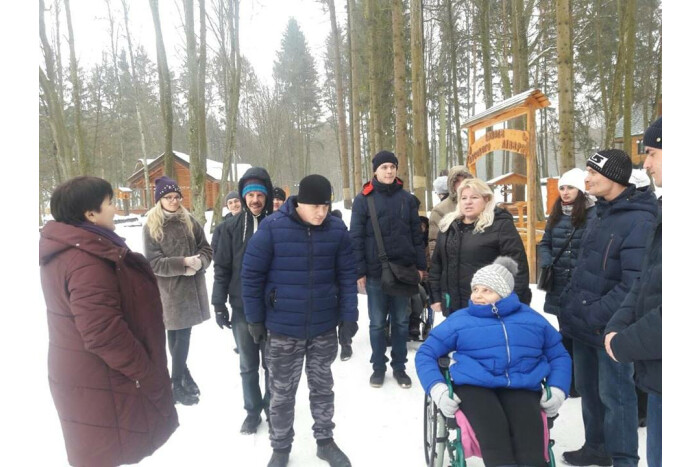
(503, 350)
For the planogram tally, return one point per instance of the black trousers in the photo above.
(507, 423)
(179, 346)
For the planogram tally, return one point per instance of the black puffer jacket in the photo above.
(638, 321)
(231, 244)
(553, 240)
(459, 253)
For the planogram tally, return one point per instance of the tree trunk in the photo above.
(520, 82)
(375, 142)
(453, 80)
(630, 31)
(166, 99)
(83, 165)
(137, 102)
(616, 87)
(401, 132)
(566, 83)
(484, 35)
(355, 78)
(420, 124)
(340, 102)
(198, 169)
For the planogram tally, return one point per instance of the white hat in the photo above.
(640, 178)
(497, 276)
(575, 178)
(440, 185)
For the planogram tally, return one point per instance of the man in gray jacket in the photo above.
(256, 189)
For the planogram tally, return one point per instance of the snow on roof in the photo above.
(637, 124)
(214, 168)
(497, 180)
(124, 189)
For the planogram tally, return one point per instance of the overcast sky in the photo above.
(262, 24)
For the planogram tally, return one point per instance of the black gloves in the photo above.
(346, 330)
(222, 317)
(258, 331)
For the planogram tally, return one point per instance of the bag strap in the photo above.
(568, 240)
(377, 232)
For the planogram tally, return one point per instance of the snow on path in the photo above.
(375, 427)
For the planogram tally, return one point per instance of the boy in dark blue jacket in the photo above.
(299, 284)
(502, 351)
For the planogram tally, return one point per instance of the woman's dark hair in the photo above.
(578, 214)
(70, 200)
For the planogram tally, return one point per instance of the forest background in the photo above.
(391, 74)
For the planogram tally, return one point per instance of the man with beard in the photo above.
(256, 189)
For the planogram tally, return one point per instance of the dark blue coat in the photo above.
(638, 321)
(299, 279)
(511, 346)
(552, 242)
(610, 260)
(397, 213)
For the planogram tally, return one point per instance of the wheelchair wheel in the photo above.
(426, 322)
(434, 434)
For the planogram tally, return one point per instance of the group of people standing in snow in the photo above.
(286, 279)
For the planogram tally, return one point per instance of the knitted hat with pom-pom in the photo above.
(497, 276)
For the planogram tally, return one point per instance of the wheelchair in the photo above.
(422, 315)
(451, 441)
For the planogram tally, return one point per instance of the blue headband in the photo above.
(253, 187)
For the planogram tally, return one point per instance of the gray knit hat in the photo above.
(497, 276)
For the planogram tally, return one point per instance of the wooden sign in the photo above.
(507, 140)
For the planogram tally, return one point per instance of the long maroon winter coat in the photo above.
(107, 362)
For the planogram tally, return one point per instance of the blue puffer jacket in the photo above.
(549, 247)
(610, 260)
(504, 345)
(397, 214)
(299, 279)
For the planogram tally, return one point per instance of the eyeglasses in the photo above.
(170, 199)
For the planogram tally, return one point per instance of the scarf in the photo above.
(109, 234)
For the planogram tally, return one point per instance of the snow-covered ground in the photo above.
(375, 427)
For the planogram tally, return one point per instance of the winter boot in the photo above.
(331, 453)
(345, 352)
(585, 456)
(181, 396)
(250, 424)
(377, 379)
(189, 384)
(402, 378)
(280, 458)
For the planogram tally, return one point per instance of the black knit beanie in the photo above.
(232, 195)
(315, 189)
(278, 193)
(613, 164)
(165, 185)
(382, 157)
(652, 136)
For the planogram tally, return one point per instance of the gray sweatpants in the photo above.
(285, 358)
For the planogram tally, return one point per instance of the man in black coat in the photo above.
(256, 189)
(634, 332)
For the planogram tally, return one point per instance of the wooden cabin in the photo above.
(636, 149)
(181, 162)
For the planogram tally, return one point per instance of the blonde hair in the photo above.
(485, 219)
(155, 218)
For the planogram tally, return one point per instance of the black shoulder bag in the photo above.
(546, 280)
(397, 279)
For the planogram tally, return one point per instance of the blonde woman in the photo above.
(176, 247)
(471, 237)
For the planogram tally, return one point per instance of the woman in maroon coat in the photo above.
(107, 362)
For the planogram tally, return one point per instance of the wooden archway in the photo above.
(519, 141)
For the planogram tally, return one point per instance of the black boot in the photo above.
(181, 396)
(251, 423)
(331, 453)
(585, 456)
(280, 458)
(345, 352)
(189, 384)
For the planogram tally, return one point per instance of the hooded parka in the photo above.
(107, 362)
(460, 253)
(445, 206)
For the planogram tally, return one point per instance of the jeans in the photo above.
(250, 355)
(179, 346)
(608, 403)
(380, 305)
(654, 430)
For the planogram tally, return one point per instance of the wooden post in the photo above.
(532, 187)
